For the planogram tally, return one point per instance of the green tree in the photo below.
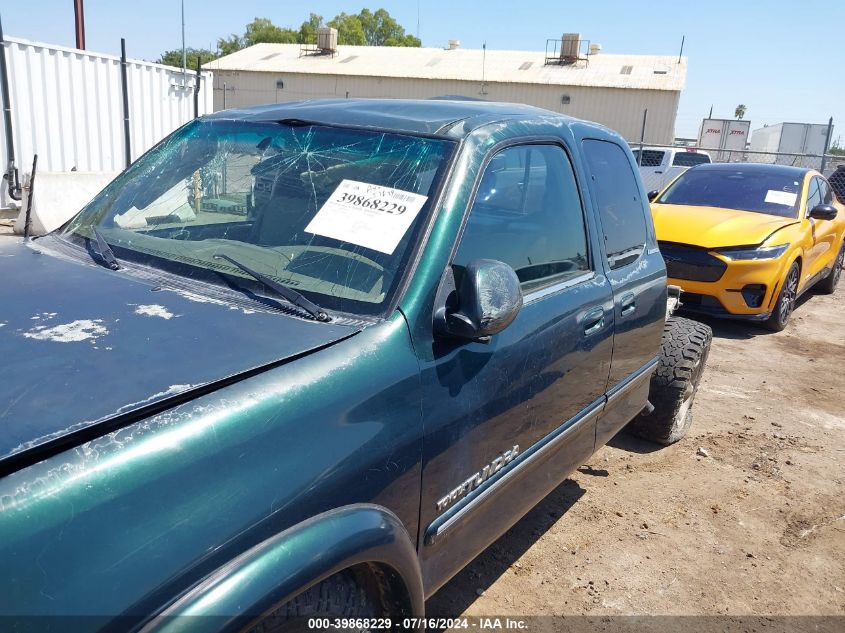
(174, 57)
(231, 44)
(308, 30)
(350, 31)
(836, 149)
(371, 29)
(262, 30)
(381, 29)
(258, 31)
(366, 28)
(740, 111)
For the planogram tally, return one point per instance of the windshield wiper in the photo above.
(290, 294)
(104, 251)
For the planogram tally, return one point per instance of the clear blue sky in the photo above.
(782, 59)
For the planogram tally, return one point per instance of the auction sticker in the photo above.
(368, 215)
(781, 197)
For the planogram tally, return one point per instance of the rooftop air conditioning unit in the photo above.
(570, 46)
(454, 44)
(327, 39)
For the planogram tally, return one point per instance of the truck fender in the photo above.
(283, 566)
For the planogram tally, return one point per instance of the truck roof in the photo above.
(420, 116)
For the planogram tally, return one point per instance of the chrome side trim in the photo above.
(631, 382)
(540, 293)
(448, 521)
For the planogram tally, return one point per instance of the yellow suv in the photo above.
(745, 240)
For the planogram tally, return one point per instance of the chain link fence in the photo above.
(660, 164)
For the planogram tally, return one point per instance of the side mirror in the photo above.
(652, 195)
(823, 212)
(488, 300)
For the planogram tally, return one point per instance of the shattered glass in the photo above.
(249, 190)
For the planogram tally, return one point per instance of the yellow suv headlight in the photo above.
(761, 252)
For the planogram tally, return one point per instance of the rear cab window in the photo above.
(690, 159)
(620, 207)
(651, 157)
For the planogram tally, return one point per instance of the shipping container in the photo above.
(723, 134)
(791, 138)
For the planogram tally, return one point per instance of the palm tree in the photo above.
(740, 111)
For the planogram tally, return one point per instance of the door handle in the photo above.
(659, 172)
(593, 321)
(628, 304)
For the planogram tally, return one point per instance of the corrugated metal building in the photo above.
(610, 89)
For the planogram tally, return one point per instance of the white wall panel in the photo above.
(67, 106)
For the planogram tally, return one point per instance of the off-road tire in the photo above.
(786, 300)
(827, 286)
(683, 355)
(339, 596)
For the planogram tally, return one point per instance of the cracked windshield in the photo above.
(329, 212)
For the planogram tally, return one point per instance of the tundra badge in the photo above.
(478, 478)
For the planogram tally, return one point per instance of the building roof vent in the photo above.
(568, 50)
(453, 44)
(326, 43)
(327, 39)
(595, 49)
(570, 44)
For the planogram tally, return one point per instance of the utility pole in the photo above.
(79, 22)
(184, 52)
(827, 143)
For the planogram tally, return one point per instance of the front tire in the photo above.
(341, 596)
(683, 354)
(827, 286)
(786, 300)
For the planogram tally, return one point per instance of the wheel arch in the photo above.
(796, 255)
(367, 539)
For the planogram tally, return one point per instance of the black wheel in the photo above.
(827, 286)
(683, 354)
(786, 300)
(339, 596)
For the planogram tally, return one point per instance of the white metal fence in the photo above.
(67, 106)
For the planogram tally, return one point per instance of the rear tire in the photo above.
(827, 286)
(674, 384)
(339, 596)
(786, 300)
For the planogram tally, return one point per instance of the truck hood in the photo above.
(714, 227)
(84, 347)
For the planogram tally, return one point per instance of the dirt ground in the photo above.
(755, 527)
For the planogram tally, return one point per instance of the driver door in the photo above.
(507, 420)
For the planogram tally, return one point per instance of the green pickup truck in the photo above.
(304, 362)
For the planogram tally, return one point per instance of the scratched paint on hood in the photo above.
(155, 310)
(82, 353)
(73, 332)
